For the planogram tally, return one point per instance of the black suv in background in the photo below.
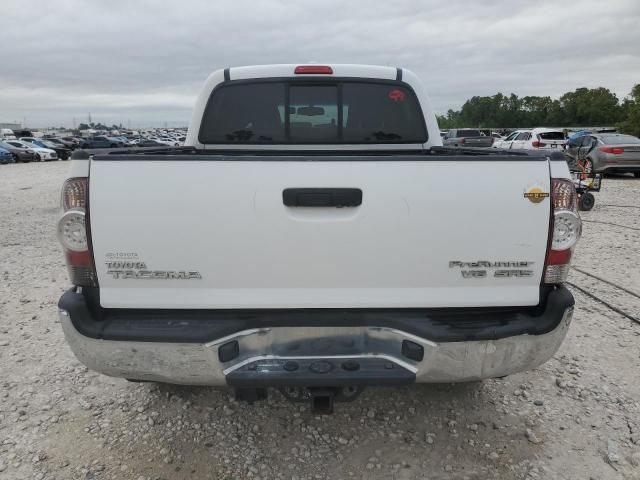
(62, 142)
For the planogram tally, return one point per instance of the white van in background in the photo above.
(7, 134)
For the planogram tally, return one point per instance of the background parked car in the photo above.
(507, 142)
(170, 142)
(7, 134)
(101, 142)
(143, 142)
(23, 132)
(606, 152)
(574, 139)
(71, 140)
(466, 137)
(63, 152)
(540, 138)
(20, 153)
(61, 143)
(41, 153)
(5, 156)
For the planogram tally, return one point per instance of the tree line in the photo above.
(582, 107)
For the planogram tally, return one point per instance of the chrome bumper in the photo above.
(199, 363)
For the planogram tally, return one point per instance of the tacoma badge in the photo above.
(140, 271)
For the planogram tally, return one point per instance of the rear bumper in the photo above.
(310, 354)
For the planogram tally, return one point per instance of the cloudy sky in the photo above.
(143, 61)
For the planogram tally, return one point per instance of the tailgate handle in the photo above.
(322, 197)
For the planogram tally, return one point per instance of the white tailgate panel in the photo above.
(226, 220)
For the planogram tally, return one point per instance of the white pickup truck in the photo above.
(314, 235)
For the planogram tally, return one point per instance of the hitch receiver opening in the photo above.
(322, 400)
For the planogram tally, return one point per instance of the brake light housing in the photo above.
(566, 229)
(612, 150)
(538, 144)
(74, 232)
(313, 70)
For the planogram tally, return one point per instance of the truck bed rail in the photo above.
(192, 153)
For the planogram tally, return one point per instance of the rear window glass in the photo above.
(551, 136)
(468, 133)
(312, 112)
(512, 136)
(619, 139)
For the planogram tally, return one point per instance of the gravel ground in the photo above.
(576, 417)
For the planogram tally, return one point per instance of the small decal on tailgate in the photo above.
(535, 194)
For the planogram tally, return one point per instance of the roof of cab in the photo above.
(339, 70)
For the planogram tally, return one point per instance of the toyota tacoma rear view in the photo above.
(314, 235)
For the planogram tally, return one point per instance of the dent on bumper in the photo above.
(199, 364)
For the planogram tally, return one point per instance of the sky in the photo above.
(141, 63)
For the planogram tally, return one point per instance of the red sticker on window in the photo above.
(396, 95)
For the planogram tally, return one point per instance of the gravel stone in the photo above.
(531, 436)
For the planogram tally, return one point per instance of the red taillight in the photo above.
(559, 257)
(566, 228)
(538, 144)
(74, 232)
(313, 70)
(613, 150)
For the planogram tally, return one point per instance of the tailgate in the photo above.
(216, 233)
(557, 144)
(552, 140)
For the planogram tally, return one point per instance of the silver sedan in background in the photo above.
(608, 153)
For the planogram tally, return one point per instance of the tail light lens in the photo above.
(613, 150)
(538, 144)
(567, 228)
(565, 232)
(74, 233)
(74, 194)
